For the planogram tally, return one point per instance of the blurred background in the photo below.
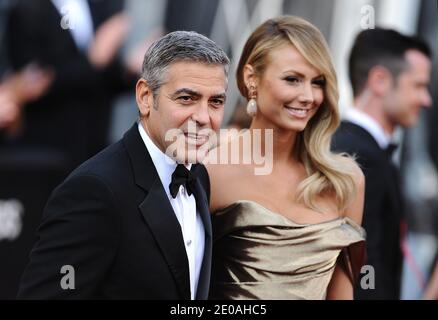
(67, 78)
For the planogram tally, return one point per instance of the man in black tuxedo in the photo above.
(389, 73)
(133, 221)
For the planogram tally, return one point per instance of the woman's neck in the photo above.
(284, 141)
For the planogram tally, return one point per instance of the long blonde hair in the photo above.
(326, 171)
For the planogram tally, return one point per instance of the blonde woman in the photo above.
(293, 233)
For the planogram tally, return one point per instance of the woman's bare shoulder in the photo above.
(358, 176)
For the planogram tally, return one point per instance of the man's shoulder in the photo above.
(355, 140)
(349, 129)
(106, 165)
(92, 185)
(352, 136)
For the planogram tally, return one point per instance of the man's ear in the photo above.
(380, 80)
(144, 97)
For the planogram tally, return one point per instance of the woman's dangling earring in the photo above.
(251, 107)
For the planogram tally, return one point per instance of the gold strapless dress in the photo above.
(260, 254)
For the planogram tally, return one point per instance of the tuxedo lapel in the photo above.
(395, 190)
(158, 212)
(162, 222)
(202, 206)
(204, 276)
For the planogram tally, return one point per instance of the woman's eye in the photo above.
(319, 83)
(292, 80)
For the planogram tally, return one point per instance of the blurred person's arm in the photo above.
(29, 83)
(108, 40)
(134, 59)
(16, 90)
(29, 42)
(147, 24)
(9, 112)
(104, 54)
(431, 292)
(33, 42)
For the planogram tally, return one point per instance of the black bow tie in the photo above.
(390, 149)
(183, 176)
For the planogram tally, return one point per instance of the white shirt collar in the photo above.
(366, 122)
(164, 164)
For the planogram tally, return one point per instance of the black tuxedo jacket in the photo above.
(112, 222)
(382, 211)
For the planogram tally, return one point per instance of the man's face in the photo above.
(410, 92)
(185, 111)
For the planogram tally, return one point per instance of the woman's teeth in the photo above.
(298, 112)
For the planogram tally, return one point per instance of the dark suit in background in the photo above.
(112, 221)
(73, 116)
(382, 211)
(202, 22)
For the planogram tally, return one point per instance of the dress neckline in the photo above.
(251, 202)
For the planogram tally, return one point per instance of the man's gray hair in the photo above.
(179, 46)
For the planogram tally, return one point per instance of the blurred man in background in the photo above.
(76, 43)
(390, 74)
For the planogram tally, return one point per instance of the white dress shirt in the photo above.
(366, 122)
(76, 16)
(185, 210)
